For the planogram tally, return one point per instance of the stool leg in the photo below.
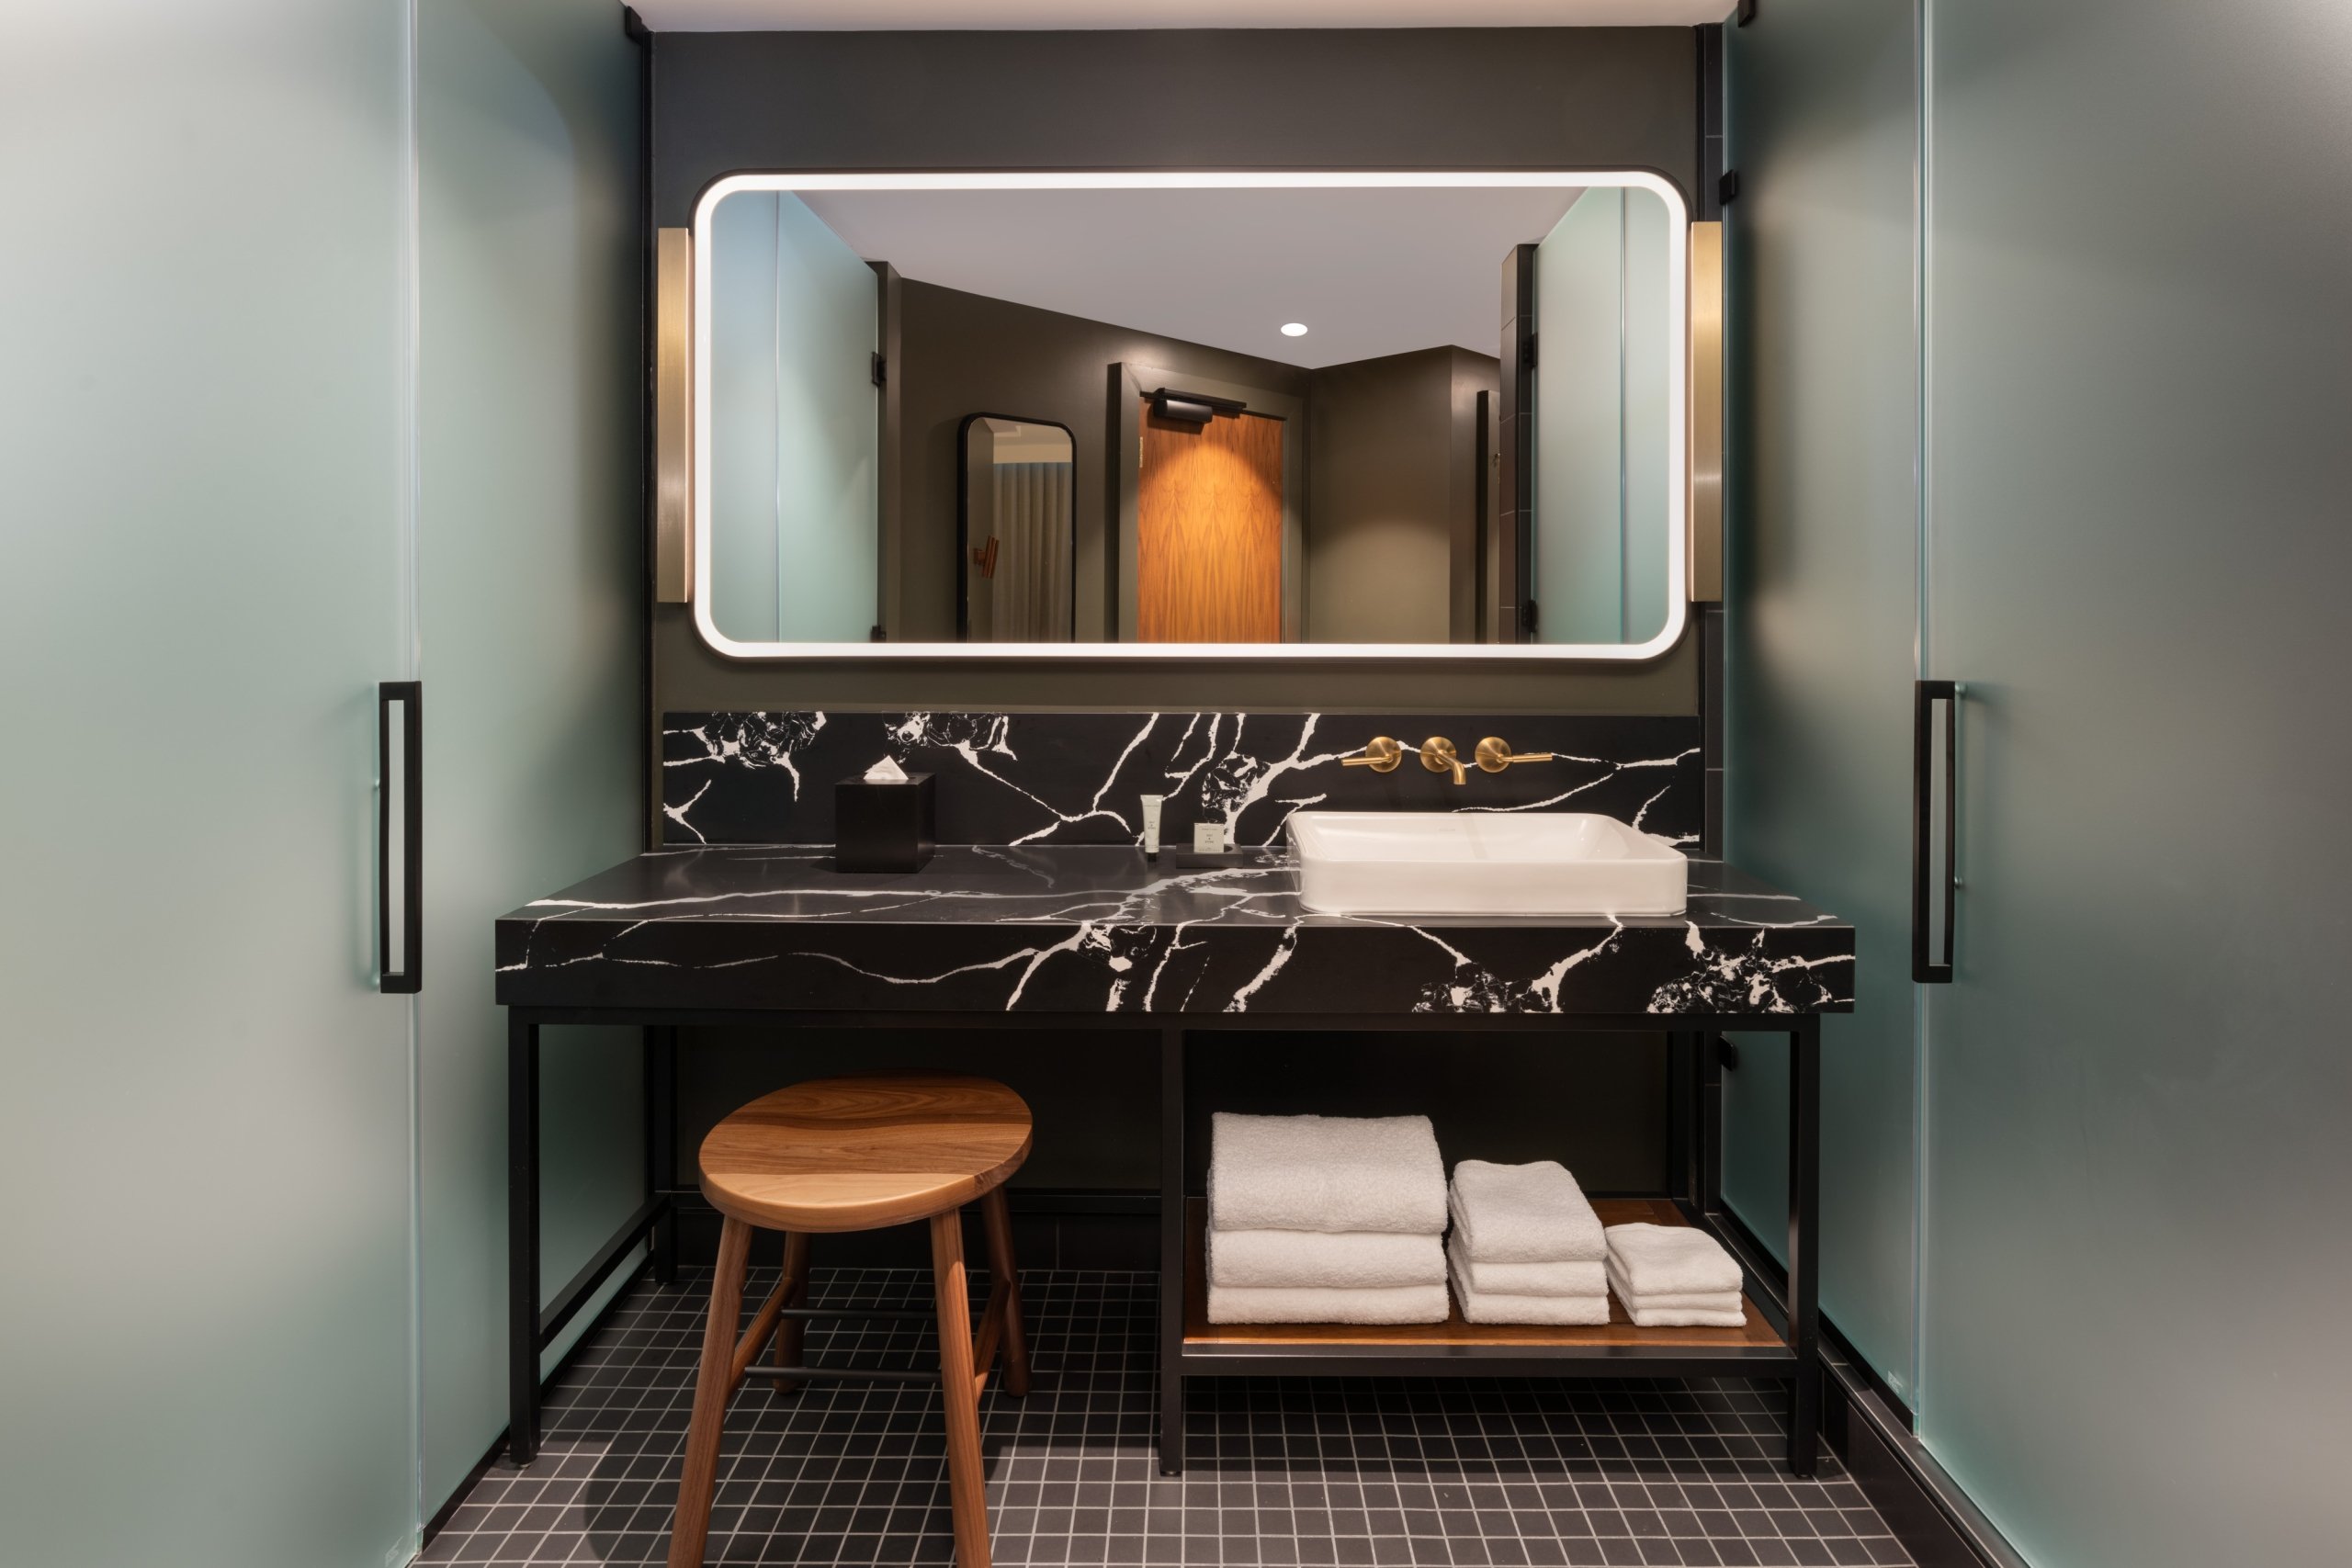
(690, 1528)
(967, 1484)
(1006, 1277)
(790, 1335)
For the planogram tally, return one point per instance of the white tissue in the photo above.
(886, 771)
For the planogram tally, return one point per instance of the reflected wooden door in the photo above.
(1209, 530)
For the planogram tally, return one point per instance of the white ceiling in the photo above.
(882, 16)
(1369, 272)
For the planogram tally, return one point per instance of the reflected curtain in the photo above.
(1032, 587)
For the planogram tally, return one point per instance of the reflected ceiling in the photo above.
(1369, 272)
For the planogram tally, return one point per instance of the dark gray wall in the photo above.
(1584, 98)
(1441, 99)
(1392, 516)
(1474, 97)
(962, 354)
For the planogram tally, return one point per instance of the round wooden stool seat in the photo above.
(858, 1153)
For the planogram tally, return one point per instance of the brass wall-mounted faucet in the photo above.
(1382, 754)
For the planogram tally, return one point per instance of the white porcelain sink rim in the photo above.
(1561, 864)
(1480, 832)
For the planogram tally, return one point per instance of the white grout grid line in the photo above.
(1279, 1472)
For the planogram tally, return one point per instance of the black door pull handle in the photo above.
(399, 971)
(1925, 695)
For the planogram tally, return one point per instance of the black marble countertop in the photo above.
(1099, 929)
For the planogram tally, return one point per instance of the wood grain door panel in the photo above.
(1209, 530)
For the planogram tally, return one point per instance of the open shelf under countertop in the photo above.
(1757, 1336)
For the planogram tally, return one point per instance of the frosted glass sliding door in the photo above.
(1601, 504)
(794, 440)
(529, 548)
(1821, 610)
(205, 1352)
(2136, 1269)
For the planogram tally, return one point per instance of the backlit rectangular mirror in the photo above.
(1198, 415)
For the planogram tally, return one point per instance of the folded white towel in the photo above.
(1671, 1260)
(1653, 1317)
(1309, 1260)
(1404, 1303)
(1686, 1300)
(1524, 1214)
(1536, 1279)
(1325, 1173)
(1490, 1306)
(1711, 1309)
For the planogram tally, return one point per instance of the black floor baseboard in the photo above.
(1872, 1431)
(433, 1526)
(1936, 1522)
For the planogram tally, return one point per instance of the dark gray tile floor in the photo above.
(1279, 1472)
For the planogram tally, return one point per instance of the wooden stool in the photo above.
(856, 1154)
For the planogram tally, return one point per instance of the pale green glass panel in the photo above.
(2136, 1267)
(1580, 423)
(1820, 617)
(1603, 420)
(793, 425)
(204, 1134)
(1650, 306)
(531, 430)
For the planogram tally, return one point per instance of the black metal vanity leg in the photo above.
(1172, 1251)
(1805, 1228)
(522, 1237)
(1710, 1112)
(1681, 1115)
(662, 1145)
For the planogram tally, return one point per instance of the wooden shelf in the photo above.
(1619, 1336)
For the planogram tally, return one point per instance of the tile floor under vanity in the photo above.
(1279, 1472)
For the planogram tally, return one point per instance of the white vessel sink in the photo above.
(1441, 862)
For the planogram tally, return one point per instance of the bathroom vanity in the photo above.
(1093, 935)
(1169, 473)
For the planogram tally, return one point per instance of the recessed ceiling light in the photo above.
(1294, 329)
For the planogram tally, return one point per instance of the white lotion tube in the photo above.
(1152, 804)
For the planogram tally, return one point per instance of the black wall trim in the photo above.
(648, 394)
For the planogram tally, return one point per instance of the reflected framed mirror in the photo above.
(1016, 530)
(1262, 414)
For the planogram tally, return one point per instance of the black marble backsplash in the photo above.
(767, 778)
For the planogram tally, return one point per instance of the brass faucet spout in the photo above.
(1439, 757)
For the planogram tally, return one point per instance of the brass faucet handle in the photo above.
(1439, 757)
(1495, 754)
(1381, 754)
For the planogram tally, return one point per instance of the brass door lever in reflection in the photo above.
(1494, 754)
(1381, 754)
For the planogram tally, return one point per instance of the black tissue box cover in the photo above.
(885, 827)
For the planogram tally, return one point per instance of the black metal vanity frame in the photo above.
(1696, 1146)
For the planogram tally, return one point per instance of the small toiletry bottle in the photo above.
(1152, 804)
